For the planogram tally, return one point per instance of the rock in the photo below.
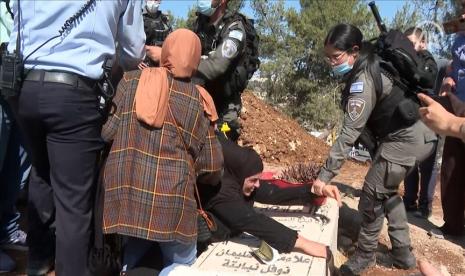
(292, 145)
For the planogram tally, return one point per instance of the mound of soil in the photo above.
(275, 136)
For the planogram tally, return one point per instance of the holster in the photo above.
(368, 140)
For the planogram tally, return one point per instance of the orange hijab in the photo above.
(180, 56)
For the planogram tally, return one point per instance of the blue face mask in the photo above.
(342, 69)
(205, 7)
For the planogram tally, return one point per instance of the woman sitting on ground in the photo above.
(241, 186)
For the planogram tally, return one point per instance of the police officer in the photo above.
(157, 28)
(421, 175)
(223, 40)
(371, 100)
(58, 109)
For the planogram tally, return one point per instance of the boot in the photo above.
(403, 258)
(358, 262)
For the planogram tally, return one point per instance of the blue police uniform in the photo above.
(58, 109)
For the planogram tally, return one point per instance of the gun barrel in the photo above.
(378, 19)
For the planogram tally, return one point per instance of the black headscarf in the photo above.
(239, 163)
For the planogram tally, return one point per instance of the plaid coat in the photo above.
(149, 176)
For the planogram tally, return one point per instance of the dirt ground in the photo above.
(276, 137)
(447, 254)
(282, 142)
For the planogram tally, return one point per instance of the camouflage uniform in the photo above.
(395, 155)
(222, 49)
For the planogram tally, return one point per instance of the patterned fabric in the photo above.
(149, 176)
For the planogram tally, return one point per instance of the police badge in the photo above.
(355, 107)
(229, 48)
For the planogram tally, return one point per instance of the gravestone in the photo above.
(234, 257)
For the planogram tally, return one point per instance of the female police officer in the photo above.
(371, 101)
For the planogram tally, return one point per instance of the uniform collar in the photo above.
(153, 16)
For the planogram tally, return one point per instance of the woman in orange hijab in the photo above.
(163, 143)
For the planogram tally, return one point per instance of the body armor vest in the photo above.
(156, 28)
(396, 110)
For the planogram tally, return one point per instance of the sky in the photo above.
(179, 8)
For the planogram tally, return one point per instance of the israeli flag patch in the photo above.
(356, 87)
(236, 34)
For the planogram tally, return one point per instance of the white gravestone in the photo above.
(234, 257)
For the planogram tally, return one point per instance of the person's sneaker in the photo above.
(403, 258)
(17, 241)
(7, 264)
(423, 213)
(360, 261)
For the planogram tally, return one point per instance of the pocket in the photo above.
(408, 110)
(366, 207)
(430, 137)
(395, 173)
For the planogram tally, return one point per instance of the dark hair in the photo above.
(344, 37)
(414, 30)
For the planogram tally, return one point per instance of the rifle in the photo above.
(382, 28)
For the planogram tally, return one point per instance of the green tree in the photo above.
(188, 21)
(185, 22)
(271, 25)
(291, 44)
(291, 48)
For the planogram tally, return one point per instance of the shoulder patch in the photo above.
(229, 48)
(355, 107)
(236, 34)
(356, 87)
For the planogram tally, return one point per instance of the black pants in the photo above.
(62, 126)
(421, 174)
(244, 218)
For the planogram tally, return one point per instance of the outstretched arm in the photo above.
(269, 193)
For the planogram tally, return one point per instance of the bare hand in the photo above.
(447, 86)
(428, 269)
(318, 186)
(142, 65)
(333, 192)
(323, 189)
(153, 52)
(435, 116)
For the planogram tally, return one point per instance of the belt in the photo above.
(60, 77)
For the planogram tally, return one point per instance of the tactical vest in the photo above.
(394, 111)
(156, 28)
(210, 36)
(248, 61)
(228, 87)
